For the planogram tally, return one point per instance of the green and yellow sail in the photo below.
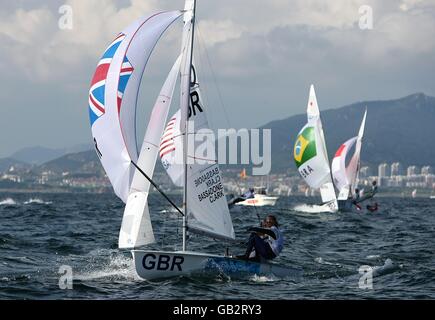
(305, 146)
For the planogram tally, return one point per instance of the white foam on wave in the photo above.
(388, 267)
(8, 201)
(320, 260)
(306, 208)
(262, 279)
(37, 201)
(373, 256)
(170, 212)
(119, 267)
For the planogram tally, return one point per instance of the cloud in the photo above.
(51, 53)
(42, 51)
(264, 55)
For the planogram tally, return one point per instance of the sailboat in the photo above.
(112, 109)
(346, 177)
(311, 156)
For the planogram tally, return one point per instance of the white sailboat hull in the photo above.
(259, 200)
(163, 264)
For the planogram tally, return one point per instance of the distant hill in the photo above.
(85, 162)
(7, 163)
(81, 162)
(38, 155)
(396, 130)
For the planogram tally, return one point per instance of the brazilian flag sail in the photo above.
(305, 146)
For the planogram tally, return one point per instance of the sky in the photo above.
(255, 59)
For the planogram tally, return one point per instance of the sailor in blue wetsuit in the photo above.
(267, 241)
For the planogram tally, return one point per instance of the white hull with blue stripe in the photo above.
(163, 264)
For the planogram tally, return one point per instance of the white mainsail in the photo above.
(136, 229)
(354, 164)
(311, 156)
(339, 173)
(113, 97)
(346, 178)
(207, 206)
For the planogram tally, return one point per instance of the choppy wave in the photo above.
(82, 232)
(37, 201)
(307, 208)
(261, 279)
(8, 202)
(116, 267)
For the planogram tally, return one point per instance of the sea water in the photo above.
(64, 246)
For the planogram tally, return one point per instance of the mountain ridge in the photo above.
(396, 130)
(407, 121)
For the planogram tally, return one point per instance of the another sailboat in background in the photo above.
(346, 177)
(311, 156)
(112, 108)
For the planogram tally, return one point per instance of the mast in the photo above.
(185, 122)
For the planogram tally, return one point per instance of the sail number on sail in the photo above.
(305, 172)
(212, 181)
(194, 96)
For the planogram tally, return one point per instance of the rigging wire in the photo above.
(220, 99)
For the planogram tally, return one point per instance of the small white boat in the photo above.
(260, 199)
